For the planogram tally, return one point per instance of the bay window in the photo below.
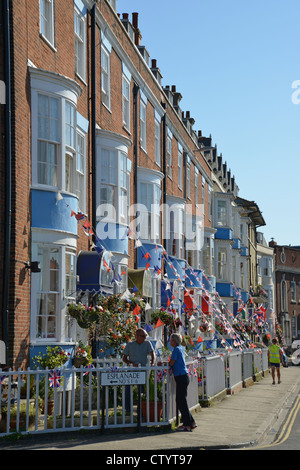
(221, 213)
(52, 289)
(113, 169)
(148, 207)
(222, 264)
(55, 138)
(48, 140)
(175, 226)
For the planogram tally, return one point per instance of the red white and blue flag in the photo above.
(54, 378)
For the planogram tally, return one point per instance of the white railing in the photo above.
(234, 370)
(247, 365)
(257, 361)
(213, 376)
(39, 401)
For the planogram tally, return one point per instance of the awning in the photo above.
(149, 255)
(191, 281)
(94, 272)
(175, 268)
(141, 280)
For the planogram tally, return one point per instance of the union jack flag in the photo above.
(2, 378)
(90, 366)
(192, 372)
(54, 378)
(160, 375)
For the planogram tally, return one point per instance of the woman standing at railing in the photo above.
(180, 372)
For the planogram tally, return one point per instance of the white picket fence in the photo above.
(81, 398)
(109, 395)
(226, 371)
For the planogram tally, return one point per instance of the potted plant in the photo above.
(82, 355)
(54, 358)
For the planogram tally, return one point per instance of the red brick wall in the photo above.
(28, 44)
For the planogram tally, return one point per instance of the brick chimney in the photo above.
(137, 34)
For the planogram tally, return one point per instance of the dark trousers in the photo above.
(182, 382)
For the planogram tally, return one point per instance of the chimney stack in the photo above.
(137, 33)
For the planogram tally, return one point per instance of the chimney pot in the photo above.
(135, 19)
(154, 64)
(125, 16)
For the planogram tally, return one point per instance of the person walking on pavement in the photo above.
(180, 372)
(275, 358)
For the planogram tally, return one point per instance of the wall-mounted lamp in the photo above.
(34, 266)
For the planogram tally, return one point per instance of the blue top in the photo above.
(179, 367)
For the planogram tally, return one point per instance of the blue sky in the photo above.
(235, 62)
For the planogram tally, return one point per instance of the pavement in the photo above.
(243, 420)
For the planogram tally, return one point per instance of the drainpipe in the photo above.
(164, 168)
(8, 154)
(135, 154)
(93, 110)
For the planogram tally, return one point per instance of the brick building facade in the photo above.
(94, 131)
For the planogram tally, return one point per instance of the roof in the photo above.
(253, 211)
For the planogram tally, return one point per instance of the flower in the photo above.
(54, 357)
(168, 318)
(83, 354)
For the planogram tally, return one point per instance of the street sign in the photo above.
(123, 378)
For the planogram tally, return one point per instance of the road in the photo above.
(288, 437)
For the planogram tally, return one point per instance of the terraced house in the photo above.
(105, 183)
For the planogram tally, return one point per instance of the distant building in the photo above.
(287, 279)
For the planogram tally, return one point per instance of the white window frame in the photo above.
(118, 146)
(188, 177)
(222, 210)
(174, 227)
(169, 153)
(80, 43)
(222, 264)
(65, 92)
(48, 240)
(180, 160)
(149, 217)
(157, 140)
(105, 76)
(203, 194)
(126, 102)
(47, 21)
(196, 186)
(143, 124)
(81, 170)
